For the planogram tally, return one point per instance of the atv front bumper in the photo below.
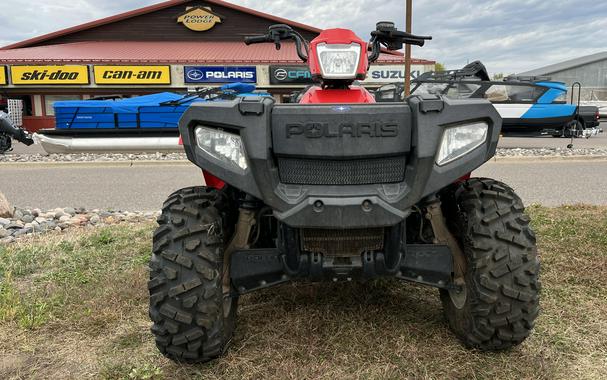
(340, 166)
(256, 269)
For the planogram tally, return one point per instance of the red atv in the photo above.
(337, 188)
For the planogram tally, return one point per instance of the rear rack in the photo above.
(472, 71)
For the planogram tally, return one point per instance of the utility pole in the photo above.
(408, 49)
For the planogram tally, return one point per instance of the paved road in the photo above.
(121, 187)
(143, 187)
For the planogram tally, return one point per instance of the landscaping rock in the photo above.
(6, 210)
(27, 218)
(60, 219)
(7, 240)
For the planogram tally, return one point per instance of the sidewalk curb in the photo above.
(514, 159)
(96, 163)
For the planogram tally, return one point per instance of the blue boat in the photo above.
(144, 123)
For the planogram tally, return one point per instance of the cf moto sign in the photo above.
(220, 74)
(290, 75)
(392, 73)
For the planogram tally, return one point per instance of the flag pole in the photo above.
(408, 49)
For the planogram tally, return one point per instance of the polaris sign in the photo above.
(220, 74)
(392, 73)
(290, 75)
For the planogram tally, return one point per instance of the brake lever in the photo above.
(277, 42)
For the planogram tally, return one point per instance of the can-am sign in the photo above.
(392, 73)
(220, 74)
(50, 75)
(132, 74)
(290, 75)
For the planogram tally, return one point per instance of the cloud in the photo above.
(508, 36)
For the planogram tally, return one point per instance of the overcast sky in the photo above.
(507, 35)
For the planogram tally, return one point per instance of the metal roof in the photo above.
(150, 9)
(163, 52)
(551, 69)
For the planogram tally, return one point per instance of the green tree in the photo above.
(439, 67)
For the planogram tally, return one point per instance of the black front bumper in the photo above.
(256, 269)
(275, 134)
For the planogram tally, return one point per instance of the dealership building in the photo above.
(589, 71)
(174, 46)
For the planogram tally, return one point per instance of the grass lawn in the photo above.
(75, 306)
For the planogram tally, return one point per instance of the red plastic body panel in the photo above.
(338, 36)
(355, 94)
(213, 181)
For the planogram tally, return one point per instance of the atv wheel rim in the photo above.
(458, 297)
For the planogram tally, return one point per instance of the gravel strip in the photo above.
(91, 157)
(117, 157)
(26, 222)
(550, 152)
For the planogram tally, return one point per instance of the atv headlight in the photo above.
(460, 140)
(338, 61)
(224, 146)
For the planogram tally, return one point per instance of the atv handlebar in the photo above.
(256, 39)
(7, 127)
(391, 38)
(279, 32)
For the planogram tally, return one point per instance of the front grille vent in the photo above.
(366, 171)
(351, 242)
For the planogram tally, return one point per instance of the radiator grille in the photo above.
(342, 172)
(342, 242)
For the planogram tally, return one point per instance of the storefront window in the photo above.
(49, 100)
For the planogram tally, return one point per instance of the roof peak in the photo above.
(568, 64)
(146, 10)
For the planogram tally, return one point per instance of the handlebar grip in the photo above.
(256, 39)
(414, 41)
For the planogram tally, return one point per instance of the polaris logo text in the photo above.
(354, 130)
(220, 74)
(53, 76)
(229, 75)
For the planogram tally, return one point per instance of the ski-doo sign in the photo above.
(49, 75)
(220, 74)
(3, 80)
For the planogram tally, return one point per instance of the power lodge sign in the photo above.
(49, 75)
(132, 75)
(199, 19)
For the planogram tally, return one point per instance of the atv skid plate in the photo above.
(256, 269)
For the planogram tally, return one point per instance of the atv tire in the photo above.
(193, 316)
(499, 302)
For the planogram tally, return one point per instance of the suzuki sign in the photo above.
(392, 73)
(220, 74)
